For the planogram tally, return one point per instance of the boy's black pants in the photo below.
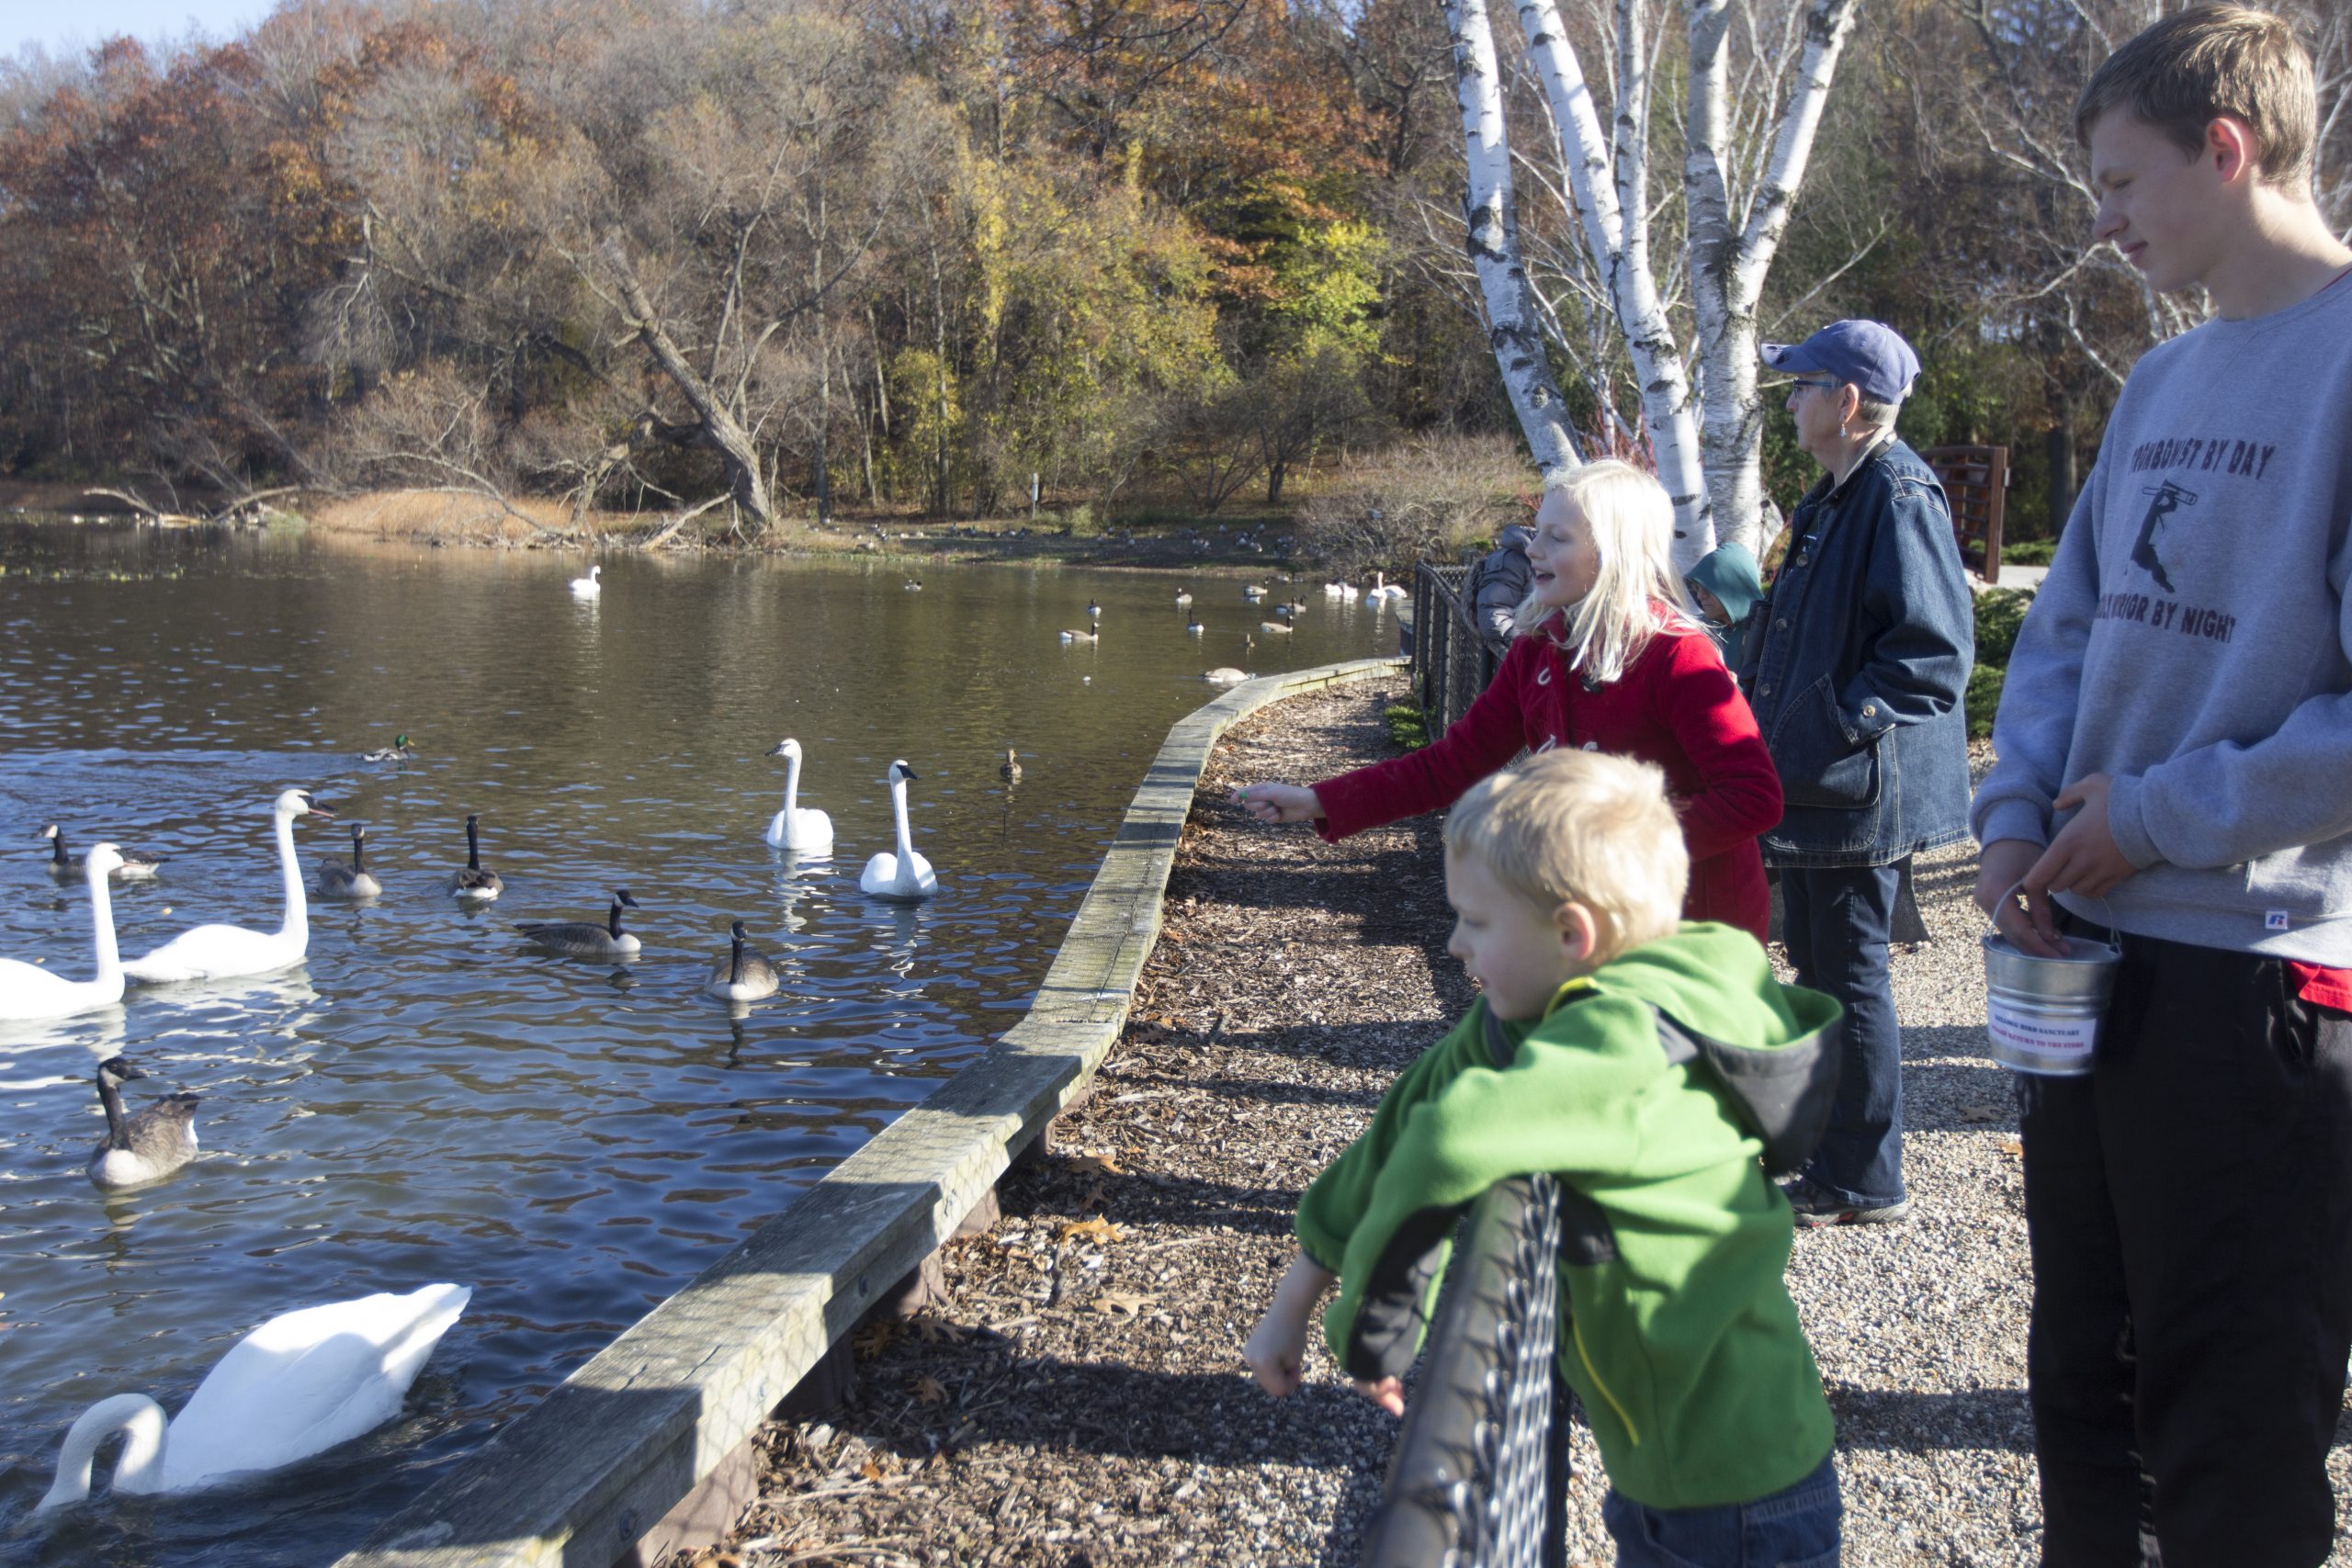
(2190, 1206)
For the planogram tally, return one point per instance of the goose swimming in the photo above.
(1010, 769)
(1092, 634)
(801, 830)
(743, 975)
(473, 883)
(28, 990)
(137, 865)
(904, 876)
(300, 1384)
(219, 951)
(143, 1148)
(585, 939)
(339, 879)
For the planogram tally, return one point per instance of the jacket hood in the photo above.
(1518, 536)
(1715, 979)
(1729, 573)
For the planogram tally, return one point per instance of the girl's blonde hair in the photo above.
(1632, 524)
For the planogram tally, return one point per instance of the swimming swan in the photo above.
(586, 939)
(28, 990)
(137, 865)
(143, 1148)
(803, 831)
(1383, 589)
(472, 882)
(296, 1386)
(588, 587)
(905, 876)
(339, 880)
(743, 975)
(216, 952)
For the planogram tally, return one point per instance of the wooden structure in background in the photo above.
(1976, 482)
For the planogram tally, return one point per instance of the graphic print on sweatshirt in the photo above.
(2157, 547)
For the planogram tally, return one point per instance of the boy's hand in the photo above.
(1388, 1393)
(1276, 1350)
(2083, 857)
(1278, 802)
(2003, 864)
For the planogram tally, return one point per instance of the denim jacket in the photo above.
(1858, 666)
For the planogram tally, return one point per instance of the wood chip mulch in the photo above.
(1080, 1397)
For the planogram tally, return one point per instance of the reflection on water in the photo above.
(428, 1097)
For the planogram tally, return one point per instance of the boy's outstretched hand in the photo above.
(1388, 1393)
(1277, 1348)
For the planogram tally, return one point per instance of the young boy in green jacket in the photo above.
(1566, 874)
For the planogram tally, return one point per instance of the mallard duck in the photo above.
(399, 751)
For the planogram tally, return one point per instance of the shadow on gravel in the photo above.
(1906, 1422)
(1271, 1093)
(1133, 1198)
(1952, 1093)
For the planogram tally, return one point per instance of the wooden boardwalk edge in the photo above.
(582, 1476)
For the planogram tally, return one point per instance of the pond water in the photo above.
(427, 1096)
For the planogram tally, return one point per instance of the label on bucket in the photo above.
(2036, 1033)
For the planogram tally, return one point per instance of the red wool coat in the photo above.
(1677, 706)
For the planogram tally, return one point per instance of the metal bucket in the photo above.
(2044, 1013)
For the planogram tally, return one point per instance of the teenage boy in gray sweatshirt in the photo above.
(2176, 765)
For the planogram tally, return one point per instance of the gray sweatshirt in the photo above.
(2193, 642)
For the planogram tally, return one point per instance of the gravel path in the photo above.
(1078, 1399)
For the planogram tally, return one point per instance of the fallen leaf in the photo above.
(1092, 1164)
(1099, 1228)
(871, 1470)
(1093, 1198)
(927, 1389)
(2011, 1147)
(1127, 1301)
(873, 1339)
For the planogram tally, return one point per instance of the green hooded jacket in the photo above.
(1676, 1329)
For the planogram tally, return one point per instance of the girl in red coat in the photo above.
(1607, 657)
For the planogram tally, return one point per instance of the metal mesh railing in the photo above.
(1471, 1484)
(1453, 660)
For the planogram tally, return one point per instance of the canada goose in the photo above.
(1338, 590)
(1292, 608)
(28, 990)
(797, 827)
(1193, 625)
(1253, 594)
(912, 586)
(1093, 611)
(1183, 598)
(903, 875)
(341, 880)
(473, 883)
(585, 939)
(743, 975)
(1091, 634)
(1010, 769)
(588, 587)
(221, 952)
(1226, 674)
(137, 865)
(399, 751)
(297, 1385)
(143, 1148)
(1277, 628)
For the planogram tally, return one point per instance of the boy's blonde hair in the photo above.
(2209, 60)
(1583, 826)
(1632, 522)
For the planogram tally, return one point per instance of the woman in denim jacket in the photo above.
(1857, 670)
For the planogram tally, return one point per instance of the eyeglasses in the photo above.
(1825, 384)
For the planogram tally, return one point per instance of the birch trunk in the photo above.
(1491, 215)
(1730, 251)
(1622, 263)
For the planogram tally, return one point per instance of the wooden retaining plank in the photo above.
(578, 1478)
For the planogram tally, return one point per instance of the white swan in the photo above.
(216, 952)
(588, 587)
(296, 1385)
(906, 876)
(1382, 589)
(28, 990)
(804, 831)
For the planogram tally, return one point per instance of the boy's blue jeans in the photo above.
(1794, 1529)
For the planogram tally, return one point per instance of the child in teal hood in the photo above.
(1726, 586)
(1567, 876)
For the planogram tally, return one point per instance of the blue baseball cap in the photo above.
(1870, 355)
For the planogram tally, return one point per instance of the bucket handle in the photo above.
(1994, 924)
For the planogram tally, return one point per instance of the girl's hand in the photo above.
(1388, 1393)
(1276, 1350)
(1278, 802)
